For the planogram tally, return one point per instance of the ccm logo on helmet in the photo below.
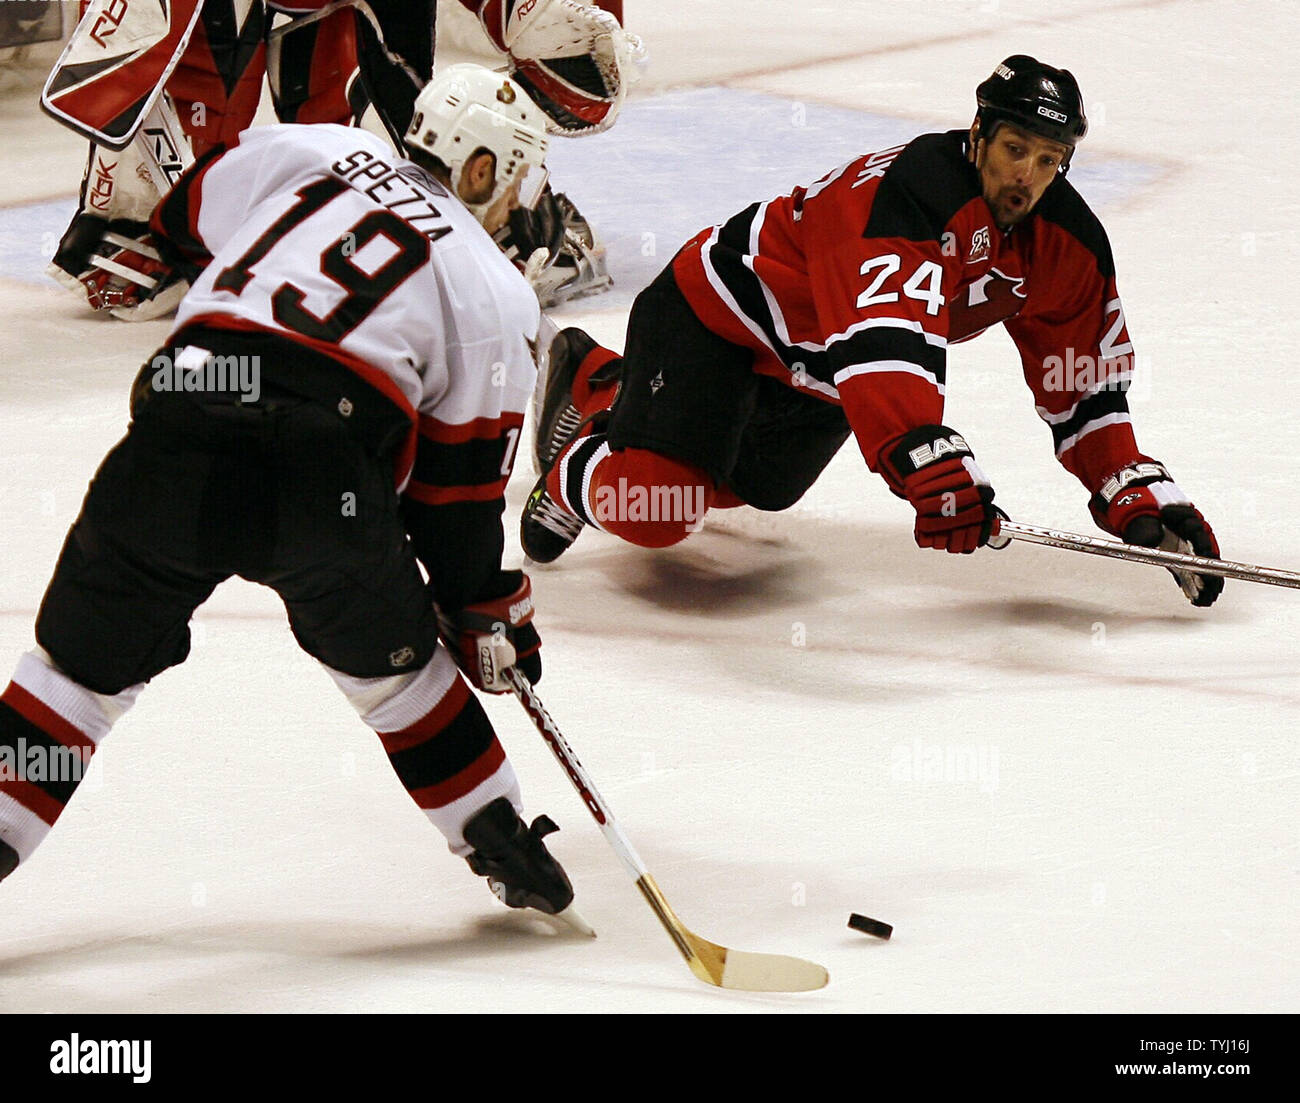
(937, 449)
(1055, 116)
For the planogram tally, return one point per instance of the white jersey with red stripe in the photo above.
(323, 235)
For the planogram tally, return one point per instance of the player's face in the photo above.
(1016, 168)
(478, 181)
(499, 213)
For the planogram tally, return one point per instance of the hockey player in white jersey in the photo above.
(342, 395)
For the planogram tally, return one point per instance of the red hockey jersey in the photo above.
(853, 288)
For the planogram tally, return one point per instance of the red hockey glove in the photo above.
(1142, 505)
(933, 468)
(494, 633)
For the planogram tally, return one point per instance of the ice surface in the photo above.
(1065, 788)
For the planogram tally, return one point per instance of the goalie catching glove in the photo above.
(573, 59)
(933, 468)
(494, 633)
(119, 269)
(1142, 505)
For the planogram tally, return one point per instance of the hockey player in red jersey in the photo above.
(828, 312)
(341, 396)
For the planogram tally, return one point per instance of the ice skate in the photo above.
(547, 528)
(519, 869)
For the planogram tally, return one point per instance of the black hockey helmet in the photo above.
(1035, 97)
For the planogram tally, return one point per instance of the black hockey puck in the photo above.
(870, 926)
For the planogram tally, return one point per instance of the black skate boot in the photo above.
(520, 871)
(558, 420)
(547, 528)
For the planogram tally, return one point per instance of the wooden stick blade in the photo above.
(710, 962)
(735, 969)
(749, 972)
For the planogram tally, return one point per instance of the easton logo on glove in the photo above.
(937, 449)
(1141, 488)
(1141, 473)
(1142, 505)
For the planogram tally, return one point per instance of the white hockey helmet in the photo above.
(466, 108)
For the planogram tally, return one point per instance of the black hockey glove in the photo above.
(1142, 505)
(496, 632)
(533, 239)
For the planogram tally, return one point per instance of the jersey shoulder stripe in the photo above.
(922, 191)
(1062, 206)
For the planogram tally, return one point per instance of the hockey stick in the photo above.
(712, 963)
(1155, 557)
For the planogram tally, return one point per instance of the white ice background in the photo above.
(1067, 789)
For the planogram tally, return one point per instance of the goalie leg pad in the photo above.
(115, 65)
(313, 73)
(218, 82)
(573, 59)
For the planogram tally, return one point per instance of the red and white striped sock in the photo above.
(50, 726)
(439, 741)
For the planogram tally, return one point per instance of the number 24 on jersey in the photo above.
(924, 285)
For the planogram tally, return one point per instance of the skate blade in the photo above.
(571, 918)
